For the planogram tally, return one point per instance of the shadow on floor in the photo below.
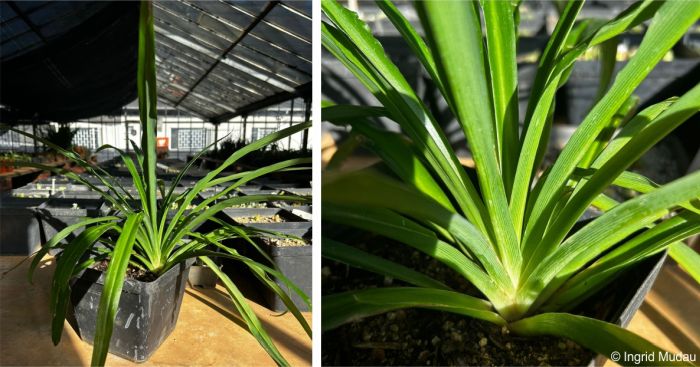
(221, 303)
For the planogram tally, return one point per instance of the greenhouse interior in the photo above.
(163, 147)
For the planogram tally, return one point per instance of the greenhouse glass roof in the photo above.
(217, 59)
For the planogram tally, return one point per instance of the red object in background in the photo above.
(162, 143)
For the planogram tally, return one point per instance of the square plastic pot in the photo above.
(291, 224)
(146, 315)
(296, 264)
(20, 227)
(202, 276)
(58, 213)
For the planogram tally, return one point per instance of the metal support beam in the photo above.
(245, 125)
(307, 117)
(303, 91)
(216, 137)
(291, 121)
(248, 29)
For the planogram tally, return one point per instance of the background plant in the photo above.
(61, 136)
(510, 232)
(140, 233)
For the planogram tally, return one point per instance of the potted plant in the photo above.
(136, 259)
(509, 235)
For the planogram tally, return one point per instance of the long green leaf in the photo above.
(501, 40)
(394, 150)
(60, 236)
(669, 24)
(357, 258)
(462, 69)
(687, 258)
(392, 225)
(375, 191)
(341, 308)
(374, 69)
(683, 109)
(642, 246)
(605, 231)
(112, 289)
(148, 110)
(607, 339)
(241, 304)
(65, 267)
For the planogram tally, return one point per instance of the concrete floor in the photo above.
(209, 331)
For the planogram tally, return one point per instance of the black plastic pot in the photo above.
(202, 276)
(295, 263)
(19, 225)
(58, 213)
(146, 315)
(292, 224)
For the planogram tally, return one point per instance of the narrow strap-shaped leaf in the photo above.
(261, 272)
(669, 24)
(376, 191)
(642, 246)
(148, 110)
(94, 171)
(65, 266)
(639, 183)
(394, 150)
(687, 258)
(392, 225)
(112, 289)
(554, 48)
(528, 155)
(624, 113)
(684, 108)
(58, 237)
(249, 317)
(197, 217)
(242, 178)
(414, 41)
(353, 45)
(501, 40)
(629, 130)
(205, 181)
(341, 308)
(355, 257)
(463, 72)
(607, 59)
(605, 231)
(599, 336)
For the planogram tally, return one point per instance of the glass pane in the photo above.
(290, 21)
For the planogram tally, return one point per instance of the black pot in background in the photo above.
(58, 213)
(296, 264)
(20, 227)
(292, 224)
(146, 315)
(202, 276)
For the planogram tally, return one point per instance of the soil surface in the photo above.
(284, 242)
(131, 272)
(250, 205)
(260, 219)
(427, 337)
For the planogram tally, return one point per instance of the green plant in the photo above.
(61, 137)
(139, 232)
(505, 235)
